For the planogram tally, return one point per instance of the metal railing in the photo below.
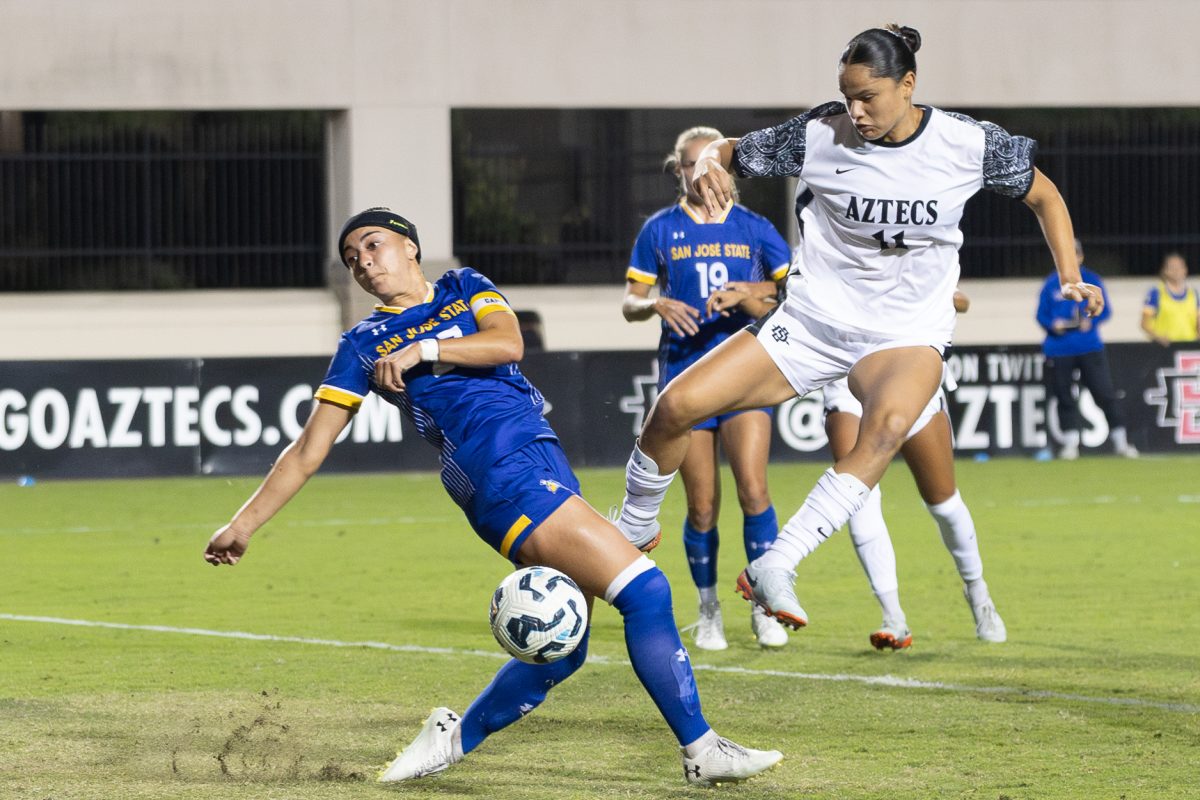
(162, 200)
(557, 196)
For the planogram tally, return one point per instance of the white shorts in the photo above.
(811, 354)
(838, 397)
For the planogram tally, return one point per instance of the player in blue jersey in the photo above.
(692, 257)
(446, 354)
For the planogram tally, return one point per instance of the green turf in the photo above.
(1093, 565)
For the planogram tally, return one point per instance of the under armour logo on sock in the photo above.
(681, 655)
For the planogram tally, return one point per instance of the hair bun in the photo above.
(911, 36)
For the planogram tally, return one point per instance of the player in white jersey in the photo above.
(929, 452)
(882, 184)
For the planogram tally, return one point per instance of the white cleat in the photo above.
(988, 625)
(767, 629)
(1128, 451)
(644, 537)
(437, 746)
(892, 634)
(709, 630)
(727, 762)
(1069, 452)
(775, 591)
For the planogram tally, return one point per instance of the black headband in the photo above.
(378, 217)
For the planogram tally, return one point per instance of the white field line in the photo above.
(889, 681)
(212, 526)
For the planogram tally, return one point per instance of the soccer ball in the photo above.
(538, 615)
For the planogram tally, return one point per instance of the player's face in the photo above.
(876, 105)
(1174, 270)
(381, 261)
(687, 167)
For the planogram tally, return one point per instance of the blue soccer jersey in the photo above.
(474, 415)
(690, 260)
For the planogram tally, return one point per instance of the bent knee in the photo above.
(677, 410)
(702, 518)
(885, 432)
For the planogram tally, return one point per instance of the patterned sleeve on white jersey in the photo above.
(1007, 159)
(778, 152)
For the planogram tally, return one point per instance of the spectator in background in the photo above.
(1073, 343)
(1172, 309)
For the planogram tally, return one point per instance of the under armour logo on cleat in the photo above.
(779, 333)
(692, 771)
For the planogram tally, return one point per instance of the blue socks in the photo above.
(759, 531)
(659, 658)
(517, 689)
(701, 549)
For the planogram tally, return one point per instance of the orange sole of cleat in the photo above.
(653, 543)
(885, 641)
(743, 588)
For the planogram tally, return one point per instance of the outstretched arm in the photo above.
(295, 465)
(1052, 214)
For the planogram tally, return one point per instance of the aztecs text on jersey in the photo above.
(879, 220)
(474, 415)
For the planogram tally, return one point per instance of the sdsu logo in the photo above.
(1177, 397)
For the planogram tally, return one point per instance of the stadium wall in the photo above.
(232, 416)
(212, 324)
(389, 71)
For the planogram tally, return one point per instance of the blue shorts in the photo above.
(670, 370)
(520, 492)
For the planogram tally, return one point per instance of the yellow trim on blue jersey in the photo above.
(339, 397)
(640, 276)
(516, 530)
(399, 310)
(780, 271)
(485, 303)
(683, 203)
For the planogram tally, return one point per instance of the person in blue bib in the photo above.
(446, 354)
(708, 270)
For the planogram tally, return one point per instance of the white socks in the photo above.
(693, 749)
(869, 533)
(644, 490)
(958, 533)
(835, 498)
(874, 548)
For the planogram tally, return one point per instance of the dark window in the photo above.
(162, 200)
(1129, 177)
(558, 196)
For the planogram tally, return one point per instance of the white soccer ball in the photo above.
(538, 615)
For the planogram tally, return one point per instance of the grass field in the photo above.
(1093, 565)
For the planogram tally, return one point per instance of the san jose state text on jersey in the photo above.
(474, 415)
(690, 259)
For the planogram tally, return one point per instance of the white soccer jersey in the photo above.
(880, 220)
